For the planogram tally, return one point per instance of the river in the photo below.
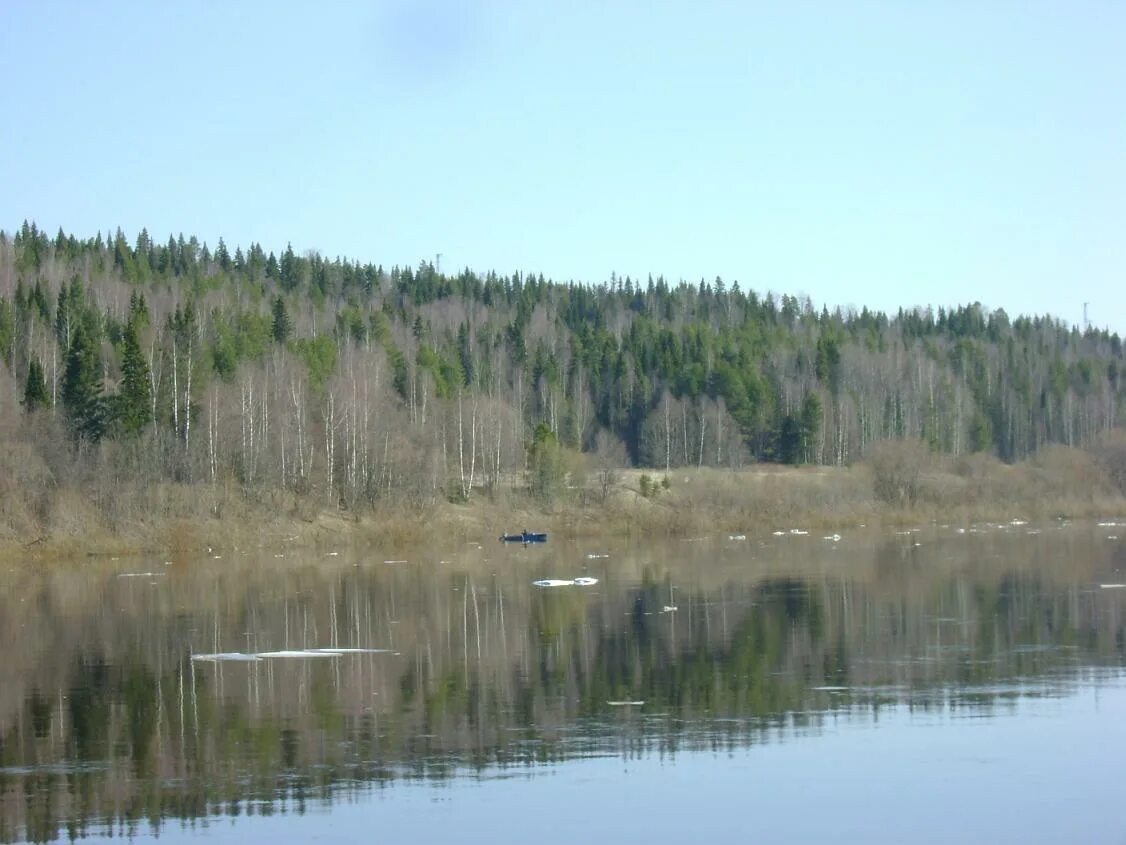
(938, 684)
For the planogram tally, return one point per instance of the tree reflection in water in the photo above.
(107, 723)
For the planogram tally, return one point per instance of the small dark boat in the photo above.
(524, 537)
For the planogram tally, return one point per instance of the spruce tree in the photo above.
(282, 327)
(82, 388)
(133, 408)
(35, 394)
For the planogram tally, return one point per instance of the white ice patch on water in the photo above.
(565, 582)
(240, 657)
(228, 656)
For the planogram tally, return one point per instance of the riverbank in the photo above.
(897, 486)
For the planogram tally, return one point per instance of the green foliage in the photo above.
(82, 389)
(811, 416)
(7, 331)
(319, 354)
(281, 327)
(35, 395)
(446, 372)
(587, 357)
(545, 465)
(400, 374)
(650, 488)
(246, 337)
(133, 403)
(70, 310)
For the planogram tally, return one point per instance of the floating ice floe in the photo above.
(227, 656)
(1018, 522)
(1111, 524)
(138, 574)
(240, 657)
(736, 536)
(333, 554)
(565, 582)
(395, 561)
(1112, 586)
(798, 531)
(779, 533)
(625, 703)
(669, 608)
(836, 538)
(596, 556)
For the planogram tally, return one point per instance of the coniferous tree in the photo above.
(133, 410)
(281, 327)
(82, 388)
(545, 464)
(35, 395)
(810, 425)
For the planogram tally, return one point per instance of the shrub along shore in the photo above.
(901, 482)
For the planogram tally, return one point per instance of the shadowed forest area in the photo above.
(144, 382)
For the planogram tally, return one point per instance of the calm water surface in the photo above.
(939, 685)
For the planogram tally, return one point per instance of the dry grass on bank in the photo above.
(900, 482)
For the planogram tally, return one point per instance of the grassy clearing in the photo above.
(901, 482)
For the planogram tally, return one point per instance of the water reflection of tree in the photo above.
(491, 674)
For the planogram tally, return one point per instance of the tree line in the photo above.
(359, 383)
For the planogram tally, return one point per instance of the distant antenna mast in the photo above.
(1086, 322)
(438, 264)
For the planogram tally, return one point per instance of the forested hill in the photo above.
(362, 382)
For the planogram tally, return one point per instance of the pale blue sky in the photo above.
(879, 154)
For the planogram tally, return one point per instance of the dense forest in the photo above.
(180, 362)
